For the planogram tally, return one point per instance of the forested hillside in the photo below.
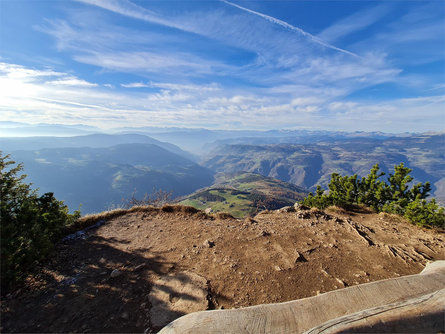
(242, 194)
(100, 178)
(307, 165)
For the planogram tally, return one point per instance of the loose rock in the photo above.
(300, 258)
(115, 273)
(208, 243)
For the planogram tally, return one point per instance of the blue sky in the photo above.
(332, 65)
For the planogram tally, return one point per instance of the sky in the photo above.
(322, 65)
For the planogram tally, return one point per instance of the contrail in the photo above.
(291, 27)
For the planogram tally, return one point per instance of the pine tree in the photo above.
(30, 224)
(397, 195)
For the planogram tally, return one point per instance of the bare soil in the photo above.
(142, 269)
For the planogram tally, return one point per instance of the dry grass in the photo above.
(350, 210)
(179, 208)
(393, 218)
(223, 215)
(335, 210)
(92, 219)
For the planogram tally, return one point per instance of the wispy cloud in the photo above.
(169, 64)
(135, 85)
(217, 25)
(413, 38)
(354, 23)
(391, 116)
(32, 96)
(127, 8)
(14, 71)
(71, 81)
(174, 86)
(212, 87)
(290, 27)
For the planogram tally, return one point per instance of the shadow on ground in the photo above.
(90, 286)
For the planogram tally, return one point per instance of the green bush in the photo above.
(372, 191)
(425, 213)
(30, 224)
(397, 195)
(319, 200)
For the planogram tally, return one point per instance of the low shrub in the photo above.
(398, 195)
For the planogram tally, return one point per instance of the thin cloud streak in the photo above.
(135, 85)
(71, 81)
(353, 23)
(291, 27)
(127, 8)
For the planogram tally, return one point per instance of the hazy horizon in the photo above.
(19, 129)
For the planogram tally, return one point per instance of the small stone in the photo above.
(250, 220)
(300, 207)
(303, 215)
(287, 209)
(264, 234)
(208, 211)
(361, 274)
(125, 315)
(139, 266)
(208, 243)
(340, 281)
(300, 258)
(278, 268)
(115, 273)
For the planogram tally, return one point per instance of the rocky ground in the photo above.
(144, 268)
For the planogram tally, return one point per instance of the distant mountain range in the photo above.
(242, 194)
(308, 165)
(196, 140)
(99, 170)
(9, 144)
(100, 178)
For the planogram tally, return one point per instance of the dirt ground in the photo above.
(143, 269)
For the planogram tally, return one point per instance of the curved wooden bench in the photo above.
(414, 303)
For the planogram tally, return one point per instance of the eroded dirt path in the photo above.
(141, 270)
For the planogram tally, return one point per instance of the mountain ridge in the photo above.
(308, 165)
(95, 140)
(101, 178)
